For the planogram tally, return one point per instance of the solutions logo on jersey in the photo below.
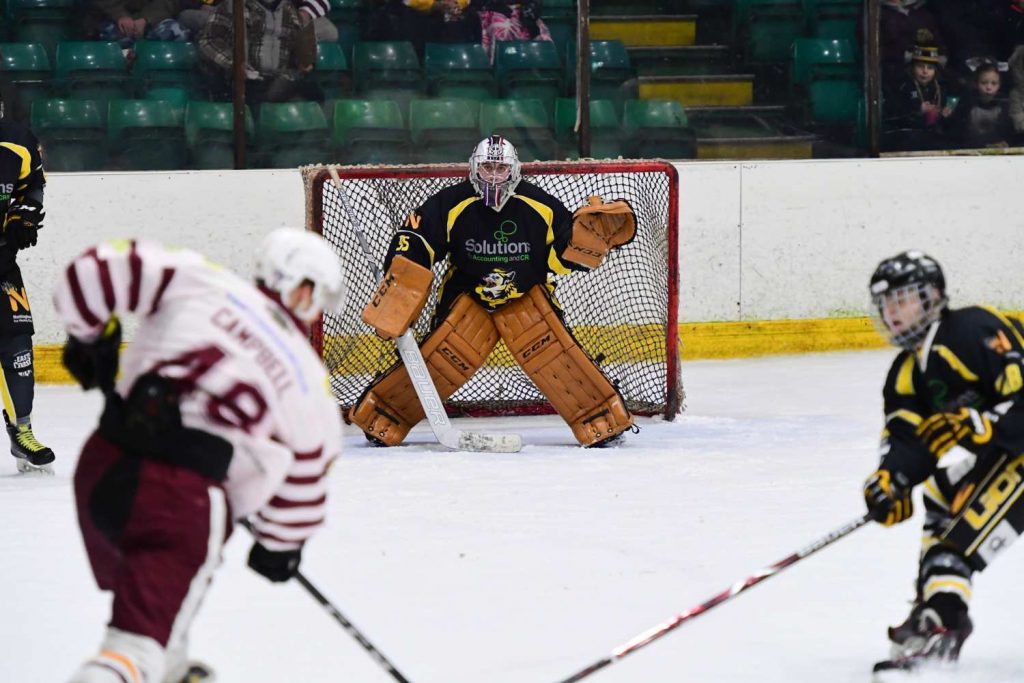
(502, 250)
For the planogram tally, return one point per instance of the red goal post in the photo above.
(624, 313)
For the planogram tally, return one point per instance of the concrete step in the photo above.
(753, 132)
(684, 60)
(659, 30)
(707, 90)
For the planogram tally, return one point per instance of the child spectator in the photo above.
(501, 20)
(983, 120)
(915, 111)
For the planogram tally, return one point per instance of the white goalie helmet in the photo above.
(288, 258)
(494, 171)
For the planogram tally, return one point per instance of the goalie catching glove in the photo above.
(597, 229)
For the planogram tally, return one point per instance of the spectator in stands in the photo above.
(316, 11)
(903, 24)
(424, 21)
(501, 20)
(125, 21)
(983, 118)
(972, 29)
(914, 113)
(195, 13)
(280, 51)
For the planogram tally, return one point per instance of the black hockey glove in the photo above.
(888, 497)
(23, 223)
(94, 364)
(276, 565)
(942, 431)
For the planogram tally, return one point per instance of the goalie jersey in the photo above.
(495, 256)
(971, 358)
(255, 380)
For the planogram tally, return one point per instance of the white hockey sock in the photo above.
(124, 658)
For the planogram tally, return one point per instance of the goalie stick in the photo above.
(649, 636)
(447, 436)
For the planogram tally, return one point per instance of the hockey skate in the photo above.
(198, 673)
(29, 454)
(923, 640)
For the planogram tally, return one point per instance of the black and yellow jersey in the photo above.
(970, 358)
(21, 175)
(495, 256)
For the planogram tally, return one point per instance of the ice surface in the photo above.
(471, 568)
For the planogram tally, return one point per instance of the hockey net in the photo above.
(624, 313)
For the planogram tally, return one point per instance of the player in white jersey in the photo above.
(222, 411)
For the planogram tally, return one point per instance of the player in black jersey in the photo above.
(504, 239)
(21, 196)
(954, 421)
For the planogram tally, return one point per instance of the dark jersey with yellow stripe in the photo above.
(21, 176)
(972, 359)
(495, 256)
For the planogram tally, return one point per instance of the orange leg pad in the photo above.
(454, 351)
(565, 374)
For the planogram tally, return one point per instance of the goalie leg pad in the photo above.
(571, 381)
(453, 352)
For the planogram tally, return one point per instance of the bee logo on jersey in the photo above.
(498, 287)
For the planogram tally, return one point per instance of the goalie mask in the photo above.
(908, 295)
(494, 171)
(289, 258)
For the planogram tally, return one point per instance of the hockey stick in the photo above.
(340, 618)
(649, 636)
(448, 436)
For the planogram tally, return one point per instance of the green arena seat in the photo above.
(524, 123)
(658, 129)
(838, 19)
(291, 134)
(349, 17)
(605, 129)
(441, 130)
(27, 65)
(210, 133)
(163, 64)
(331, 70)
(387, 70)
(459, 70)
(91, 70)
(529, 69)
(47, 22)
(73, 133)
(826, 75)
(370, 132)
(146, 135)
(612, 76)
(765, 29)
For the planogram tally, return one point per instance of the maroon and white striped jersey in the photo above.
(258, 382)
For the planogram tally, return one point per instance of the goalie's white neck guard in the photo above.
(494, 171)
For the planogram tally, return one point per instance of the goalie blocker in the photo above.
(538, 340)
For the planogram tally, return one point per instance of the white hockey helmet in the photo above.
(288, 258)
(494, 170)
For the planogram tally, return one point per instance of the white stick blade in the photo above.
(480, 442)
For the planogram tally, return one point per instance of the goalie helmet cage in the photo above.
(623, 314)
